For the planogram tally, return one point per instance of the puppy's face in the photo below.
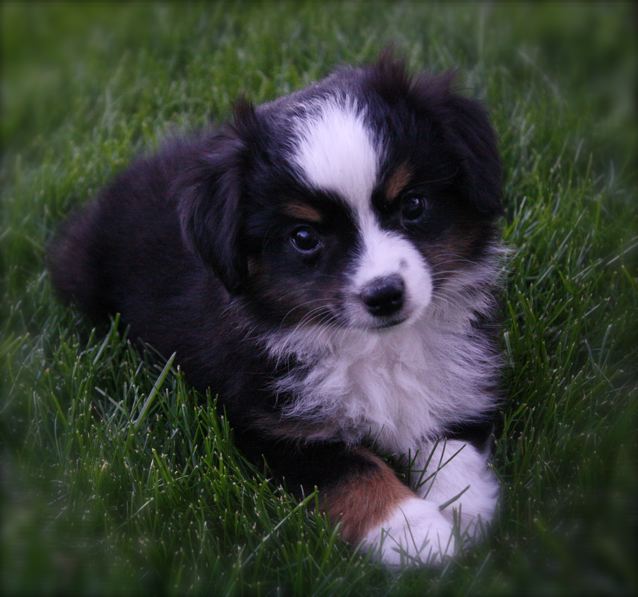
(360, 198)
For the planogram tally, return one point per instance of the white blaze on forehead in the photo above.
(336, 152)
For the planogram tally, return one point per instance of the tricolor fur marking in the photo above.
(326, 263)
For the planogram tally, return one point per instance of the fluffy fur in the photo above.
(327, 264)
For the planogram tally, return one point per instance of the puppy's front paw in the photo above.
(415, 534)
(459, 480)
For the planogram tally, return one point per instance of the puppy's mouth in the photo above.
(384, 325)
(377, 325)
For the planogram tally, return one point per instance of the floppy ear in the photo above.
(472, 139)
(210, 198)
(466, 127)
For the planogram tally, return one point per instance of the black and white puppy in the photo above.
(326, 263)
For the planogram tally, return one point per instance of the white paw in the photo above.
(415, 534)
(459, 481)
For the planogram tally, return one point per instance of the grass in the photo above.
(117, 477)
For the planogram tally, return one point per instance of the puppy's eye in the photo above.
(305, 240)
(412, 208)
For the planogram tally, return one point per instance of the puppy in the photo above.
(326, 263)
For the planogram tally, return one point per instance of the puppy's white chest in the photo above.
(396, 388)
(385, 391)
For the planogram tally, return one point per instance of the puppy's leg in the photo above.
(383, 516)
(456, 476)
(361, 494)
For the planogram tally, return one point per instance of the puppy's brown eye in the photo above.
(305, 240)
(412, 208)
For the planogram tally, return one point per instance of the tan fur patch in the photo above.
(363, 501)
(452, 252)
(302, 211)
(397, 182)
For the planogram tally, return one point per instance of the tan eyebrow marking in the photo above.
(303, 211)
(398, 181)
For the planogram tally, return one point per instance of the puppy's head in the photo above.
(350, 203)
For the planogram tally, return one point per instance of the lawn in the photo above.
(117, 477)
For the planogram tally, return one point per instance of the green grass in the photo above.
(117, 477)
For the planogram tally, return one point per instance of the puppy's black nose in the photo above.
(384, 296)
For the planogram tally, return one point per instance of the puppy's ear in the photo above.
(469, 135)
(473, 140)
(465, 124)
(210, 197)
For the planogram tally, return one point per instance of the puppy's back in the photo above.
(124, 246)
